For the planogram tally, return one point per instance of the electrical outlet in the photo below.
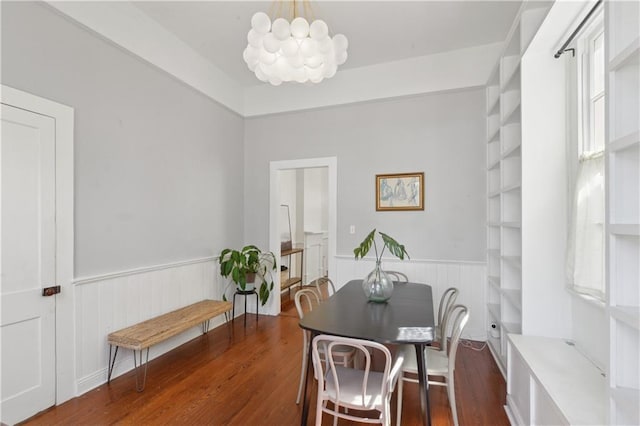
(352, 229)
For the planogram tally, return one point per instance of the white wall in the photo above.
(315, 199)
(288, 196)
(440, 134)
(546, 306)
(158, 166)
(158, 179)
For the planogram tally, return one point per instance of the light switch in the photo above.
(352, 229)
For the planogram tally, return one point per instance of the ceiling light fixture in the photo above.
(293, 51)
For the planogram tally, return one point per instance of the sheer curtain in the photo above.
(585, 259)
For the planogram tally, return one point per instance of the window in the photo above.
(585, 260)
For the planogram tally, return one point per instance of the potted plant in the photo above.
(377, 286)
(247, 268)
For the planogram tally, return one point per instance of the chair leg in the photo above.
(399, 402)
(303, 370)
(452, 401)
(386, 415)
(319, 409)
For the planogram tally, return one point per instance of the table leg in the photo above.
(305, 401)
(424, 384)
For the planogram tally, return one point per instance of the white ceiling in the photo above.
(378, 31)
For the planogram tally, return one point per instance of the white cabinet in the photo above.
(551, 383)
(315, 247)
(623, 203)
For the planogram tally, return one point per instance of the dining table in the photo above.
(406, 318)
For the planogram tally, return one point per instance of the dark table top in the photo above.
(405, 318)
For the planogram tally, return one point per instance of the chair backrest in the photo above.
(325, 366)
(447, 302)
(305, 300)
(460, 316)
(318, 282)
(397, 276)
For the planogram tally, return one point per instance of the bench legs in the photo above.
(138, 367)
(137, 364)
(111, 363)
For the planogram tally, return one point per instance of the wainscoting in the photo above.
(114, 301)
(468, 277)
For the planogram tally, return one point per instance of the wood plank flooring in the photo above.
(249, 376)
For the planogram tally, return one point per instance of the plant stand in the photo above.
(244, 293)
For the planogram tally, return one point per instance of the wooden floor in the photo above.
(250, 377)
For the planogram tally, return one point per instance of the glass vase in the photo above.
(377, 286)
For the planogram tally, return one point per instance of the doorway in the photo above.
(313, 171)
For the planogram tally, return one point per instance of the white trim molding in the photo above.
(143, 270)
(274, 205)
(128, 27)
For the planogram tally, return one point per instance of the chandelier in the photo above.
(296, 51)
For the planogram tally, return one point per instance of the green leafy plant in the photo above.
(246, 265)
(394, 247)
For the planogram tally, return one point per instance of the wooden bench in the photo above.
(155, 330)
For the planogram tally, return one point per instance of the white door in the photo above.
(27, 263)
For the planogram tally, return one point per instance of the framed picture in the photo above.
(400, 191)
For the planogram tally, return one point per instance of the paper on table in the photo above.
(415, 334)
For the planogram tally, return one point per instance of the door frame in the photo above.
(274, 205)
(65, 350)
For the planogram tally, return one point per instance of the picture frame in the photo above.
(400, 191)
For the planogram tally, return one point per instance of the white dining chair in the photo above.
(397, 276)
(447, 301)
(359, 389)
(319, 283)
(305, 300)
(439, 363)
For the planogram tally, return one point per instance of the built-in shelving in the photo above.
(504, 179)
(622, 26)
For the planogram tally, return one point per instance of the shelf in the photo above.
(630, 55)
(511, 224)
(494, 165)
(291, 251)
(493, 194)
(511, 187)
(632, 140)
(494, 310)
(513, 296)
(493, 279)
(493, 96)
(493, 135)
(632, 229)
(510, 67)
(630, 315)
(512, 116)
(493, 223)
(513, 260)
(286, 280)
(285, 284)
(513, 151)
(512, 327)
